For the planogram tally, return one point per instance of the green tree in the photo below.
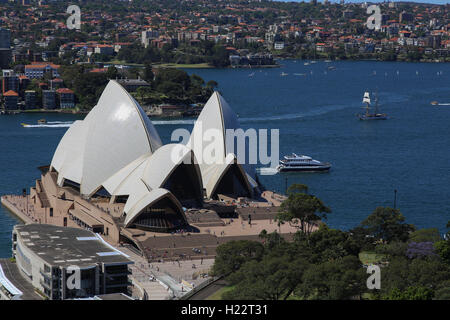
(411, 293)
(148, 73)
(331, 244)
(173, 75)
(197, 80)
(272, 278)
(212, 84)
(301, 209)
(443, 291)
(442, 248)
(112, 73)
(392, 249)
(334, 280)
(387, 224)
(220, 57)
(232, 255)
(425, 235)
(402, 273)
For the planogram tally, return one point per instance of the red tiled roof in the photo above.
(11, 93)
(64, 90)
(99, 70)
(40, 65)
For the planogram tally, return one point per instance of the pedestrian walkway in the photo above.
(170, 279)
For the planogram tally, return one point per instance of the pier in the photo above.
(17, 205)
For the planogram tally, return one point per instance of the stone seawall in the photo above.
(16, 211)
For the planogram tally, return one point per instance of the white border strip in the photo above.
(7, 284)
(110, 246)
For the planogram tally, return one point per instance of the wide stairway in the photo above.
(159, 223)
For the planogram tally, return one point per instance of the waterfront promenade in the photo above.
(21, 206)
(167, 279)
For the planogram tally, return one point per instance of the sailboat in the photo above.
(371, 116)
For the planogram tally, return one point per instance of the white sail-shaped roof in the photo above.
(148, 200)
(165, 160)
(117, 148)
(119, 133)
(214, 120)
(114, 134)
(68, 158)
(149, 173)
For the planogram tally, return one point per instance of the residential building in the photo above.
(56, 83)
(5, 38)
(278, 45)
(5, 58)
(49, 99)
(104, 49)
(148, 36)
(30, 100)
(10, 81)
(39, 70)
(405, 17)
(132, 85)
(66, 98)
(11, 99)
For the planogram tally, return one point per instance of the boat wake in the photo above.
(289, 116)
(268, 171)
(164, 122)
(311, 113)
(67, 124)
(50, 124)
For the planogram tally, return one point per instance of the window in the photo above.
(51, 212)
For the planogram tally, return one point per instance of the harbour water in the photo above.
(315, 110)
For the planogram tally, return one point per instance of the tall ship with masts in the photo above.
(368, 115)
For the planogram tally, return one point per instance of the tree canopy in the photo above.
(301, 209)
(326, 264)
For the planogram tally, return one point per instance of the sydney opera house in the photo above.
(112, 174)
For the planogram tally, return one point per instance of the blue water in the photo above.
(315, 114)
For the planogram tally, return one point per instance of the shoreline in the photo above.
(167, 117)
(5, 202)
(360, 60)
(34, 111)
(263, 66)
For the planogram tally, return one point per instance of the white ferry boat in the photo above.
(302, 163)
